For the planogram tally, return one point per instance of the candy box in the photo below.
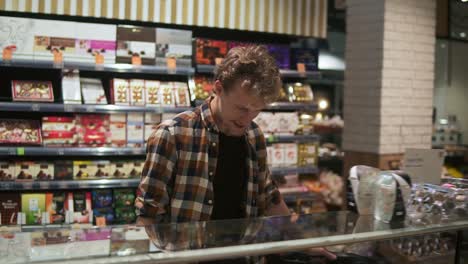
(7, 171)
(32, 91)
(137, 92)
(208, 50)
(120, 89)
(17, 131)
(181, 94)
(152, 93)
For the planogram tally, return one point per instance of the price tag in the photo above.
(171, 64)
(20, 151)
(99, 59)
(68, 108)
(100, 221)
(58, 56)
(301, 67)
(218, 61)
(35, 107)
(90, 109)
(136, 60)
(7, 54)
(60, 152)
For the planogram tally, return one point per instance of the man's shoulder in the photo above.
(186, 120)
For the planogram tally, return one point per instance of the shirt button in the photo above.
(213, 144)
(211, 173)
(210, 201)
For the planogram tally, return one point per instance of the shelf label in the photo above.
(99, 58)
(171, 64)
(68, 108)
(35, 107)
(90, 109)
(136, 60)
(301, 68)
(218, 61)
(20, 151)
(60, 152)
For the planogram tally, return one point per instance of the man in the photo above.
(211, 163)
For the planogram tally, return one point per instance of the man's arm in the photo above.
(161, 157)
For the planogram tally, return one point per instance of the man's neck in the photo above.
(214, 108)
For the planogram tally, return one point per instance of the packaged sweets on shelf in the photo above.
(181, 94)
(33, 205)
(7, 171)
(120, 89)
(135, 42)
(92, 91)
(17, 131)
(32, 91)
(152, 93)
(71, 91)
(10, 205)
(208, 50)
(55, 206)
(201, 87)
(137, 92)
(174, 43)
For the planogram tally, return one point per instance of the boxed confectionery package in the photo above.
(45, 172)
(82, 207)
(32, 91)
(59, 131)
(96, 169)
(10, 206)
(118, 130)
(95, 40)
(266, 122)
(201, 87)
(135, 130)
(137, 92)
(287, 123)
(309, 57)
(174, 43)
(93, 130)
(208, 50)
(55, 206)
(300, 92)
(92, 91)
(167, 93)
(290, 154)
(7, 171)
(281, 54)
(102, 204)
(20, 36)
(33, 205)
(120, 169)
(181, 94)
(137, 168)
(307, 154)
(278, 158)
(71, 91)
(120, 89)
(124, 197)
(49, 244)
(135, 42)
(18, 131)
(26, 170)
(63, 170)
(152, 93)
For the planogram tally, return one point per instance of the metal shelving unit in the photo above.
(209, 69)
(292, 138)
(68, 185)
(293, 106)
(44, 151)
(115, 68)
(293, 170)
(83, 108)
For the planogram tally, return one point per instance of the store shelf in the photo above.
(293, 170)
(44, 151)
(284, 73)
(293, 106)
(77, 108)
(68, 185)
(117, 68)
(292, 138)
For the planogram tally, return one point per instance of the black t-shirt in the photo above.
(229, 181)
(229, 185)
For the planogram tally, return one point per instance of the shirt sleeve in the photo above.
(272, 194)
(154, 188)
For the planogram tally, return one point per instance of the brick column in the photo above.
(389, 79)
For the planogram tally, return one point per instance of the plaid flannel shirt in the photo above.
(177, 179)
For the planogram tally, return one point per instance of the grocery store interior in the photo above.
(367, 142)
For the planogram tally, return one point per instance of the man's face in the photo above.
(236, 109)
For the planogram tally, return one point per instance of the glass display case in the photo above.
(353, 238)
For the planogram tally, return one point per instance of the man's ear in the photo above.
(218, 88)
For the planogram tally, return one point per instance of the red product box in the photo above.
(17, 131)
(93, 130)
(59, 131)
(59, 138)
(208, 50)
(32, 91)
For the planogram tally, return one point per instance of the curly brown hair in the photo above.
(256, 70)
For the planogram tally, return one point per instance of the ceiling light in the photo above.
(323, 104)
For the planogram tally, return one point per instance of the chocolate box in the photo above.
(32, 91)
(63, 170)
(81, 207)
(174, 43)
(92, 40)
(17, 131)
(20, 34)
(10, 206)
(202, 87)
(152, 93)
(93, 130)
(7, 171)
(135, 130)
(307, 56)
(45, 171)
(167, 94)
(182, 97)
(120, 169)
(71, 89)
(55, 206)
(281, 54)
(118, 130)
(120, 89)
(33, 205)
(135, 41)
(208, 50)
(92, 91)
(137, 92)
(26, 170)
